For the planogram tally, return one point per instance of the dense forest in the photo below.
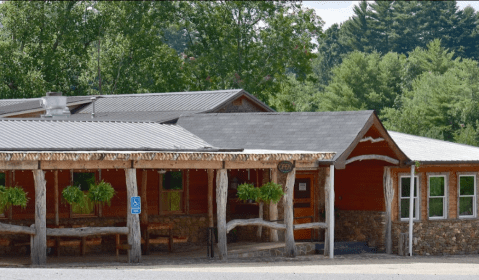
(413, 62)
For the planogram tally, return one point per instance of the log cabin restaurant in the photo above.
(345, 177)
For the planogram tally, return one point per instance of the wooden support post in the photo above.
(211, 175)
(55, 183)
(327, 187)
(388, 198)
(133, 221)
(39, 249)
(144, 202)
(260, 228)
(221, 197)
(273, 207)
(411, 209)
(290, 247)
(331, 212)
(160, 190)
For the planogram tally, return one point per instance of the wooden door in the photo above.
(303, 205)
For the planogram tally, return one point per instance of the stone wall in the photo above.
(366, 226)
(448, 237)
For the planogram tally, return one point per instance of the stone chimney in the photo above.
(55, 106)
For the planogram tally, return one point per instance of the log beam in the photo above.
(253, 222)
(93, 164)
(7, 228)
(221, 197)
(310, 225)
(211, 175)
(373, 157)
(19, 165)
(39, 248)
(273, 207)
(290, 247)
(133, 221)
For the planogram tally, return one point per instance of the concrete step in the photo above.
(344, 248)
(272, 249)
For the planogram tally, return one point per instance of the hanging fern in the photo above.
(248, 192)
(101, 193)
(12, 196)
(73, 195)
(271, 192)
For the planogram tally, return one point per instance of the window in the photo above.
(172, 192)
(83, 180)
(437, 197)
(405, 189)
(467, 196)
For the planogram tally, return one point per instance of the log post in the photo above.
(55, 183)
(221, 197)
(133, 221)
(411, 209)
(388, 198)
(260, 228)
(144, 202)
(327, 184)
(39, 249)
(290, 247)
(273, 207)
(331, 212)
(211, 174)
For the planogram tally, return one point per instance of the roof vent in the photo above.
(55, 106)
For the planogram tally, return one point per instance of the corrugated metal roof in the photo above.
(424, 149)
(8, 102)
(21, 134)
(318, 131)
(172, 101)
(34, 104)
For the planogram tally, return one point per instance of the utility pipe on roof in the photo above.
(411, 209)
(93, 99)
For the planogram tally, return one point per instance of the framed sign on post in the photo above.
(135, 205)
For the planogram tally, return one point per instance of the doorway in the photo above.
(303, 204)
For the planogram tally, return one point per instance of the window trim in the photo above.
(418, 199)
(183, 196)
(445, 203)
(96, 212)
(475, 197)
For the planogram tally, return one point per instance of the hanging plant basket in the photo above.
(12, 196)
(101, 193)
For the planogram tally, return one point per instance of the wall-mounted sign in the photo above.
(285, 166)
(302, 186)
(135, 205)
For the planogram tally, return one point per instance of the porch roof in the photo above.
(427, 150)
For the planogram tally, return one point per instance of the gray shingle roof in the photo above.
(34, 104)
(318, 131)
(195, 101)
(39, 135)
(424, 149)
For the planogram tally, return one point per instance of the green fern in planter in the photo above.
(271, 192)
(15, 196)
(101, 193)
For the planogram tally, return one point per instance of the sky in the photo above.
(339, 11)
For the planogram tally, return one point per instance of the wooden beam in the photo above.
(55, 184)
(18, 165)
(331, 212)
(86, 231)
(39, 248)
(290, 247)
(144, 202)
(211, 175)
(273, 207)
(388, 198)
(310, 225)
(133, 221)
(221, 197)
(179, 164)
(307, 164)
(7, 228)
(373, 157)
(253, 222)
(94, 164)
(373, 140)
(250, 164)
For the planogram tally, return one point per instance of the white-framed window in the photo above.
(466, 205)
(437, 196)
(404, 196)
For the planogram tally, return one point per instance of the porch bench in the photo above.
(79, 243)
(169, 239)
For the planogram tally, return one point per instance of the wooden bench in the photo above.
(169, 239)
(82, 243)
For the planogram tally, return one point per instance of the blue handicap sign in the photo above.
(135, 205)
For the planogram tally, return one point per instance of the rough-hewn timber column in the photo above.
(327, 187)
(331, 211)
(260, 228)
(273, 208)
(411, 208)
(55, 183)
(221, 196)
(132, 220)
(290, 247)
(388, 198)
(144, 203)
(211, 175)
(39, 250)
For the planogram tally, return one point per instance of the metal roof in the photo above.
(425, 149)
(33, 104)
(61, 135)
(317, 131)
(132, 116)
(196, 101)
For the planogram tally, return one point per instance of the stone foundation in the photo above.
(449, 237)
(366, 226)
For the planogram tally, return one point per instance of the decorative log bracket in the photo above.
(72, 232)
(273, 225)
